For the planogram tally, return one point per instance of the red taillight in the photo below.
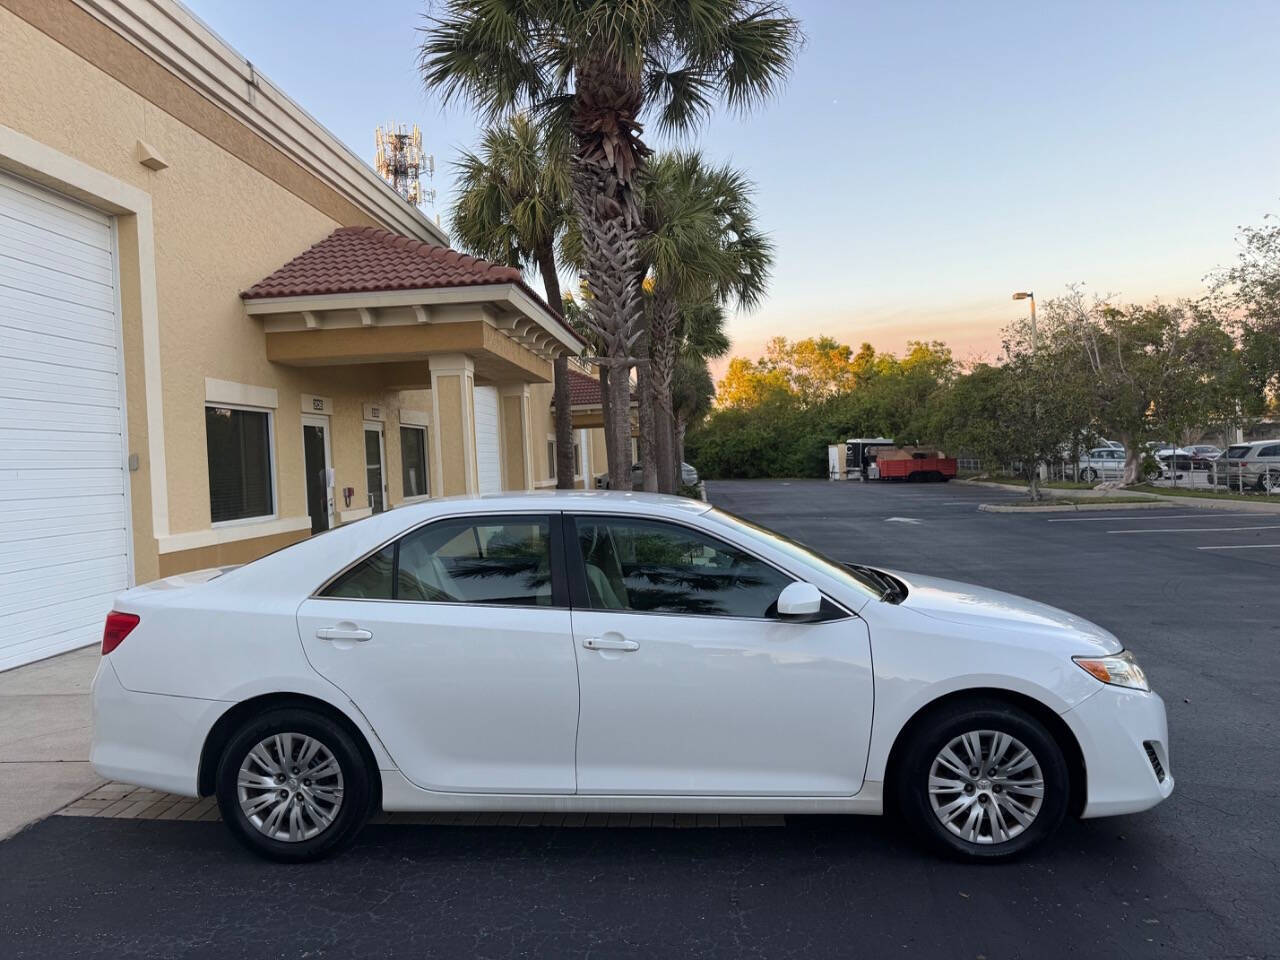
(118, 627)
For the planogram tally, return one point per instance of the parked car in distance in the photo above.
(688, 477)
(1195, 457)
(1245, 465)
(1107, 463)
(612, 652)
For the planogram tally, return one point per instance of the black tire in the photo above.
(912, 775)
(1088, 474)
(357, 793)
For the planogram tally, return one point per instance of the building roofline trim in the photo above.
(174, 36)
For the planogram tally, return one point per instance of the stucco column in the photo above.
(453, 431)
(517, 463)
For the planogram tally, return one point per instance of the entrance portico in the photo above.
(412, 316)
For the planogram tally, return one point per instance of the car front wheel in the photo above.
(983, 781)
(1088, 474)
(292, 785)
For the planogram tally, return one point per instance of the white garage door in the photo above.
(64, 523)
(488, 466)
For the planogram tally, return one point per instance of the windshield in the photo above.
(856, 577)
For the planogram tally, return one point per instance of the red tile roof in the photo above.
(362, 259)
(583, 390)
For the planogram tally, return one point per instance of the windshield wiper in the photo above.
(891, 590)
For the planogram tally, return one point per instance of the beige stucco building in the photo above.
(220, 330)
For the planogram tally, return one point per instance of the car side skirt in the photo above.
(399, 795)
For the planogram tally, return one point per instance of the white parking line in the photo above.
(1157, 516)
(1264, 526)
(1246, 546)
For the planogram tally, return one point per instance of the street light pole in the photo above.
(1028, 295)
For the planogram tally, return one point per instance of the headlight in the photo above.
(1122, 670)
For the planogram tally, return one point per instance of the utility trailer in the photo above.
(876, 458)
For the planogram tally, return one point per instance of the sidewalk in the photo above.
(1271, 505)
(45, 729)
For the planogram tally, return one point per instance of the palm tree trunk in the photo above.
(617, 428)
(606, 405)
(665, 443)
(662, 351)
(607, 156)
(648, 427)
(564, 413)
(681, 426)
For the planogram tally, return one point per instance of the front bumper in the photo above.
(148, 739)
(1120, 731)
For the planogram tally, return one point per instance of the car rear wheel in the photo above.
(292, 785)
(984, 781)
(1269, 481)
(1088, 474)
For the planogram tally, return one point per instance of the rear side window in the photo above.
(1271, 451)
(500, 560)
(1238, 452)
(371, 579)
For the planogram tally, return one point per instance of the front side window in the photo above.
(654, 567)
(239, 446)
(413, 460)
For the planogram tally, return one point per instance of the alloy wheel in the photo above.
(986, 786)
(290, 787)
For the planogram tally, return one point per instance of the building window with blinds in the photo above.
(239, 442)
(413, 460)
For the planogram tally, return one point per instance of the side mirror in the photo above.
(799, 601)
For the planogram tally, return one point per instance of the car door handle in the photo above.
(602, 643)
(343, 633)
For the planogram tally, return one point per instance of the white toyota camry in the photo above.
(621, 653)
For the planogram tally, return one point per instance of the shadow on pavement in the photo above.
(822, 886)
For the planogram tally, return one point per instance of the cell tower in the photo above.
(402, 163)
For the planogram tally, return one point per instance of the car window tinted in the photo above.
(371, 579)
(503, 560)
(1237, 452)
(654, 567)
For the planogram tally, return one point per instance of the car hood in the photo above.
(973, 606)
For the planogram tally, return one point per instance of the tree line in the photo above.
(1090, 366)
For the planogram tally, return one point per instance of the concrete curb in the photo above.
(1073, 507)
(1203, 503)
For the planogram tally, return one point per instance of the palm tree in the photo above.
(512, 207)
(705, 253)
(590, 70)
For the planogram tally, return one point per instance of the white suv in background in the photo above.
(1254, 465)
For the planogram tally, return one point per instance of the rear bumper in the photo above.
(1119, 732)
(148, 739)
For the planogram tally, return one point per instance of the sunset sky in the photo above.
(927, 158)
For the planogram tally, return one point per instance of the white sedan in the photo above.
(613, 653)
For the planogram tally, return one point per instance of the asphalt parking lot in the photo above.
(1194, 592)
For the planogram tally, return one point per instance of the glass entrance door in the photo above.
(315, 453)
(375, 467)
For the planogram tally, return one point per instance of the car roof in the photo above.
(624, 501)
